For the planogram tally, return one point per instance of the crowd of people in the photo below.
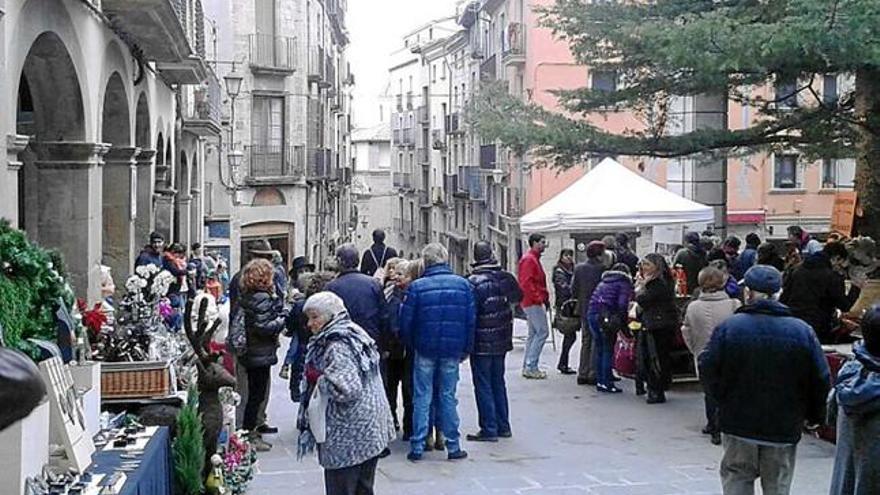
(377, 343)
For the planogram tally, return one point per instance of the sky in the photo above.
(377, 28)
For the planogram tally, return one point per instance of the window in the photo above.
(838, 174)
(786, 173)
(603, 80)
(829, 89)
(434, 73)
(267, 136)
(786, 94)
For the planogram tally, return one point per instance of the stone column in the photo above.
(197, 218)
(69, 216)
(9, 189)
(144, 222)
(184, 229)
(164, 208)
(119, 210)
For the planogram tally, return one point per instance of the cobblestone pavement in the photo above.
(568, 440)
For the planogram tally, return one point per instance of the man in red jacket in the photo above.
(535, 302)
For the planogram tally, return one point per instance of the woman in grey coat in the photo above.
(342, 362)
(855, 400)
(711, 308)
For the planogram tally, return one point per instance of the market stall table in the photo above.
(154, 475)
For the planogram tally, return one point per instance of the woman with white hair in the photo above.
(344, 411)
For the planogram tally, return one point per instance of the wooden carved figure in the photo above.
(212, 376)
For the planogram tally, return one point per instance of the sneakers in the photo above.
(259, 444)
(454, 456)
(534, 374)
(479, 437)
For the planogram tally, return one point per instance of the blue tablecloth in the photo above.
(155, 474)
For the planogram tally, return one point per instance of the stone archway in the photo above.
(143, 222)
(119, 180)
(60, 185)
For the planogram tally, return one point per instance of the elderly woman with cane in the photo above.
(344, 412)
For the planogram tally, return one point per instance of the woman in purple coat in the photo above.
(607, 315)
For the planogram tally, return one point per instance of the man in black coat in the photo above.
(375, 257)
(495, 292)
(587, 276)
(362, 294)
(692, 258)
(816, 288)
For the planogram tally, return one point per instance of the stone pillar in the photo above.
(68, 189)
(144, 219)
(164, 208)
(9, 188)
(197, 218)
(184, 229)
(119, 210)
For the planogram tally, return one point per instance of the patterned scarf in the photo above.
(363, 347)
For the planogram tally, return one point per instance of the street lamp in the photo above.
(233, 88)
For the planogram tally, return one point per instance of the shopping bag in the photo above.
(625, 355)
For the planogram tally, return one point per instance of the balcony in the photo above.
(160, 29)
(514, 51)
(488, 157)
(488, 70)
(201, 107)
(275, 164)
(396, 180)
(407, 137)
(452, 124)
(438, 140)
(317, 65)
(424, 114)
(425, 197)
(450, 186)
(329, 72)
(396, 136)
(336, 12)
(473, 182)
(272, 54)
(320, 165)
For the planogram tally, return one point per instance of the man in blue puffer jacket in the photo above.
(437, 320)
(495, 291)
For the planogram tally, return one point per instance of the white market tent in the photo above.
(613, 197)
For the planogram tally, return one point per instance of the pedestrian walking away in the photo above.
(767, 371)
(535, 303)
(377, 255)
(495, 292)
(437, 321)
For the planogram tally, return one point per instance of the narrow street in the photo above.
(567, 440)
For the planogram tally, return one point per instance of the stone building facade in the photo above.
(292, 127)
(107, 108)
(374, 197)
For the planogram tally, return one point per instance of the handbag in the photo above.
(610, 322)
(565, 320)
(625, 356)
(317, 413)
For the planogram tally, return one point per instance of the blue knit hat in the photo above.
(764, 278)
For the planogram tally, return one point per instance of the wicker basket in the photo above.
(146, 380)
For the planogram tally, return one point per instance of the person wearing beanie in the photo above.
(767, 372)
(495, 293)
(691, 258)
(587, 276)
(855, 403)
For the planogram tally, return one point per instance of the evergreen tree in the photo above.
(736, 49)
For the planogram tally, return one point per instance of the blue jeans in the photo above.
(491, 394)
(602, 351)
(427, 371)
(539, 329)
